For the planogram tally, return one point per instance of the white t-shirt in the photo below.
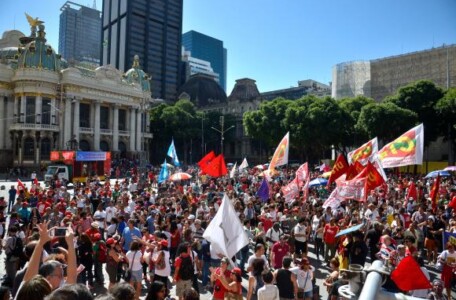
(300, 229)
(253, 257)
(304, 278)
(137, 262)
(167, 270)
(110, 212)
(100, 215)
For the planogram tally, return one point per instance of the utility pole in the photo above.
(222, 131)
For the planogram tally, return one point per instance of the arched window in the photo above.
(45, 148)
(29, 149)
(104, 146)
(84, 145)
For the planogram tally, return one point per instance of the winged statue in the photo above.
(33, 21)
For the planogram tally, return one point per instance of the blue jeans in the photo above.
(205, 273)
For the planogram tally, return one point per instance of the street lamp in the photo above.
(222, 131)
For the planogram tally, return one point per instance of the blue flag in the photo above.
(172, 153)
(263, 191)
(164, 173)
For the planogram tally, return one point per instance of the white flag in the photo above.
(233, 170)
(243, 165)
(225, 231)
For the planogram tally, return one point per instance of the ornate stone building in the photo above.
(46, 105)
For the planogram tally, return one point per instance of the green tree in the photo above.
(266, 123)
(353, 106)
(385, 120)
(421, 98)
(446, 109)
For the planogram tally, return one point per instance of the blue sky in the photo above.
(278, 42)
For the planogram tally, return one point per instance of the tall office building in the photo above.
(209, 49)
(151, 29)
(80, 33)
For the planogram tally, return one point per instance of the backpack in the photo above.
(101, 253)
(186, 271)
(18, 248)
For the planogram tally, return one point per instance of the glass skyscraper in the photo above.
(80, 33)
(209, 49)
(151, 29)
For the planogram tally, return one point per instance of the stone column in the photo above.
(10, 102)
(138, 130)
(115, 128)
(38, 108)
(22, 112)
(3, 116)
(66, 122)
(96, 128)
(132, 128)
(76, 119)
(37, 148)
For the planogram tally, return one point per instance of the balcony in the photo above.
(86, 130)
(37, 127)
(106, 131)
(124, 132)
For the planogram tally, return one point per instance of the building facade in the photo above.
(80, 33)
(192, 66)
(150, 29)
(305, 87)
(209, 49)
(382, 77)
(46, 105)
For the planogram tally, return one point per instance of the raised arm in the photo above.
(34, 262)
(72, 273)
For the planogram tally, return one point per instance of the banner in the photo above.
(435, 193)
(364, 153)
(243, 165)
(280, 156)
(164, 173)
(405, 150)
(302, 174)
(291, 190)
(263, 191)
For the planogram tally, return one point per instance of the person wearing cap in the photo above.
(222, 270)
(304, 275)
(160, 260)
(92, 231)
(113, 259)
(232, 284)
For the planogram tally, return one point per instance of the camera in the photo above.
(60, 231)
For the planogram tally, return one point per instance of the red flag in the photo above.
(339, 168)
(20, 186)
(373, 179)
(409, 276)
(353, 170)
(452, 204)
(435, 192)
(411, 193)
(216, 167)
(207, 158)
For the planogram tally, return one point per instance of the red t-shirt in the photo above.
(219, 293)
(177, 263)
(330, 233)
(280, 251)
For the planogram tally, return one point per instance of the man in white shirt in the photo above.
(259, 253)
(110, 212)
(100, 217)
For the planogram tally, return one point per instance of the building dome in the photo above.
(203, 91)
(36, 53)
(137, 75)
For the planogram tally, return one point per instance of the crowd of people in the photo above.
(59, 243)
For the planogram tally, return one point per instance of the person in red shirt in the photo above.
(42, 205)
(182, 285)
(329, 238)
(279, 250)
(219, 288)
(93, 232)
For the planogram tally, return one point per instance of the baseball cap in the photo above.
(164, 243)
(110, 241)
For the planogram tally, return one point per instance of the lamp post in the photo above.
(222, 131)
